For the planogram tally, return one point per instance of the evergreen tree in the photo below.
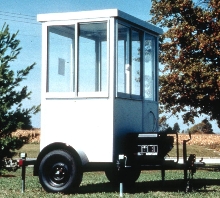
(12, 115)
(176, 128)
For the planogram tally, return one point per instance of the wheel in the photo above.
(59, 172)
(127, 175)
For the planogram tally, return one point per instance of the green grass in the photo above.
(96, 185)
(200, 151)
(32, 151)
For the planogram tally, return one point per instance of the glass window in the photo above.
(149, 71)
(92, 57)
(123, 60)
(60, 71)
(136, 63)
(129, 63)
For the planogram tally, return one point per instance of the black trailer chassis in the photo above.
(189, 166)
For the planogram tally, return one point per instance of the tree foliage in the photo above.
(203, 127)
(190, 54)
(164, 127)
(176, 128)
(12, 115)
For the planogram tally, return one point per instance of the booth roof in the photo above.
(95, 14)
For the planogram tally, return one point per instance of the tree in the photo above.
(190, 54)
(176, 128)
(12, 115)
(164, 127)
(203, 127)
(207, 127)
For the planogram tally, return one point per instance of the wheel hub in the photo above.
(59, 174)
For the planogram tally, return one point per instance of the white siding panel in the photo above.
(86, 125)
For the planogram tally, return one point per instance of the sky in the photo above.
(22, 15)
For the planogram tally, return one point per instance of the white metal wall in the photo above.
(80, 124)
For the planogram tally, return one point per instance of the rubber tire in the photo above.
(127, 176)
(59, 172)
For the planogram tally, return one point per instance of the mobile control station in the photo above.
(99, 109)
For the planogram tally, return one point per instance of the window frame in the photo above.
(141, 34)
(76, 93)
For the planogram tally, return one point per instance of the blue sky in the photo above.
(21, 15)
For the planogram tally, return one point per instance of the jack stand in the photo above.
(189, 185)
(121, 166)
(121, 189)
(23, 170)
(192, 171)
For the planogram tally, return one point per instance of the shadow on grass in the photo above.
(199, 185)
(7, 176)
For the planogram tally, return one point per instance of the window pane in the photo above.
(136, 64)
(93, 57)
(123, 60)
(104, 71)
(149, 67)
(60, 75)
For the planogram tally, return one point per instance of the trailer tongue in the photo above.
(148, 151)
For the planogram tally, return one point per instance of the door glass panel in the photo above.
(149, 71)
(136, 63)
(123, 60)
(129, 63)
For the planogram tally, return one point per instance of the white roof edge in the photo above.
(106, 13)
(140, 22)
(77, 15)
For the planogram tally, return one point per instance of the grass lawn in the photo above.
(206, 184)
(200, 151)
(32, 151)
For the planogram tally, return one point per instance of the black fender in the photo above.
(56, 146)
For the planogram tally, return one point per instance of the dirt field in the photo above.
(33, 136)
(211, 141)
